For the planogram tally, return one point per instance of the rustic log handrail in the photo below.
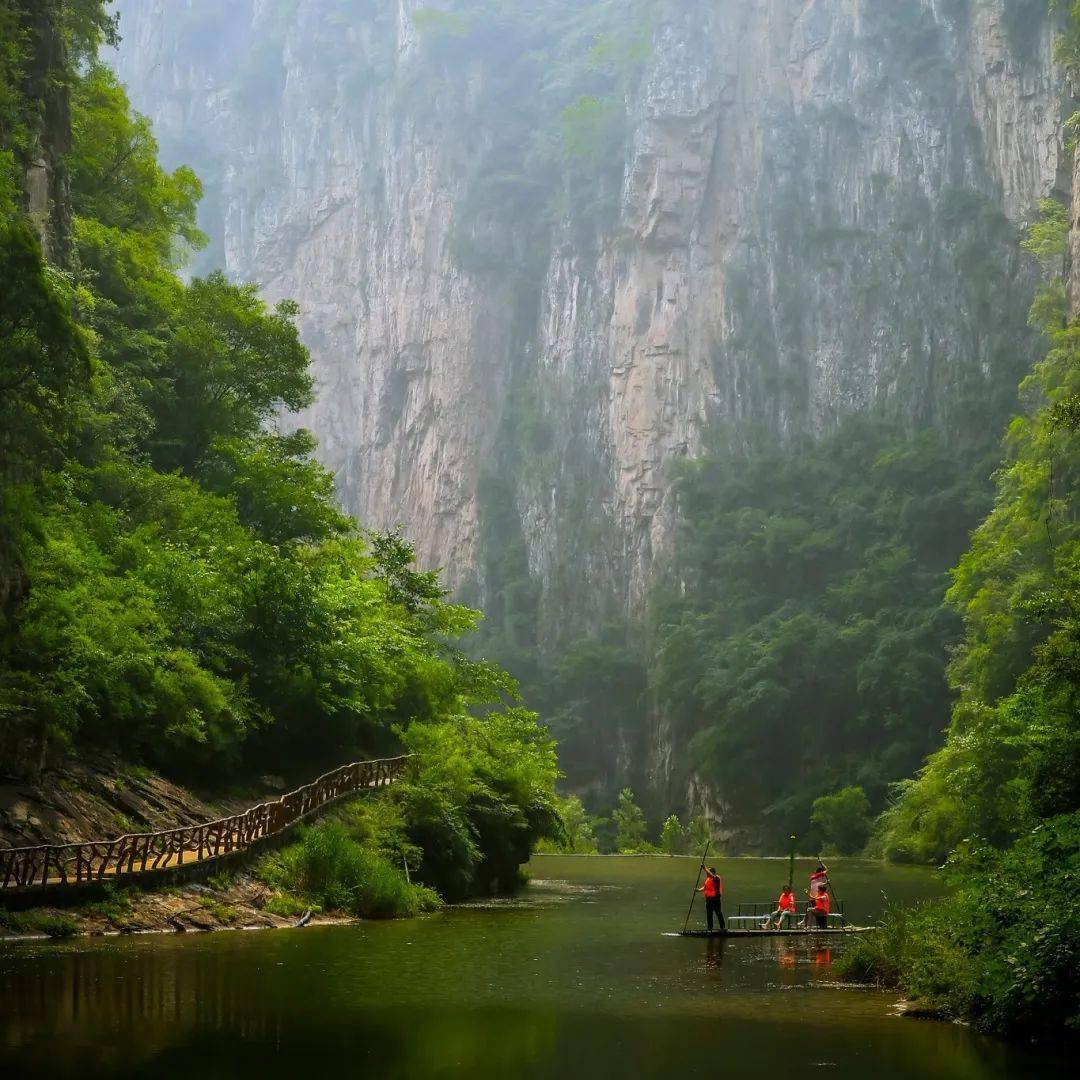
(136, 853)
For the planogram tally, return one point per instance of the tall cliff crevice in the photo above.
(45, 184)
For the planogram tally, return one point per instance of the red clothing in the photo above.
(713, 887)
(787, 901)
(821, 903)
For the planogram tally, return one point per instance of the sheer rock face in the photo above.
(1073, 253)
(790, 246)
(44, 176)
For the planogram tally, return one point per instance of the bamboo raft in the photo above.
(832, 931)
(751, 916)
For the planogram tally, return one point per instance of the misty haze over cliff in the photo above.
(545, 251)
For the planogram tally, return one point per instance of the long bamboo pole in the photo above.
(693, 895)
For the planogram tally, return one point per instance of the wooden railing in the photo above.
(135, 853)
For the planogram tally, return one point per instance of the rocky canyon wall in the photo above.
(812, 210)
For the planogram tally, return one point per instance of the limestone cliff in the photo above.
(45, 181)
(787, 245)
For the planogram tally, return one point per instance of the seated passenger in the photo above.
(785, 909)
(819, 908)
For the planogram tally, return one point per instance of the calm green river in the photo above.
(573, 978)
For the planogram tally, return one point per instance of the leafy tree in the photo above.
(42, 46)
(698, 834)
(629, 821)
(574, 834)
(479, 794)
(281, 492)
(229, 365)
(416, 591)
(673, 837)
(45, 381)
(46, 359)
(1048, 235)
(580, 839)
(844, 819)
(14, 107)
(604, 829)
(1011, 755)
(115, 176)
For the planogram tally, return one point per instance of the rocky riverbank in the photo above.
(224, 903)
(99, 796)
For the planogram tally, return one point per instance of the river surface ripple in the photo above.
(573, 978)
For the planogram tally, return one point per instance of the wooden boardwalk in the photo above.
(50, 865)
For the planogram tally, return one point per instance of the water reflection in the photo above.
(714, 954)
(584, 987)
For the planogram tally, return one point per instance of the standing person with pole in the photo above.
(830, 892)
(714, 896)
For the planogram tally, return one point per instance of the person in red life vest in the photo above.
(714, 895)
(785, 909)
(818, 881)
(819, 907)
(819, 878)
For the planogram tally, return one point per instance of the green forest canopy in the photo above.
(176, 582)
(805, 648)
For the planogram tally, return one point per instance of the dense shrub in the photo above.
(1012, 754)
(1003, 948)
(843, 819)
(332, 870)
(51, 924)
(479, 794)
